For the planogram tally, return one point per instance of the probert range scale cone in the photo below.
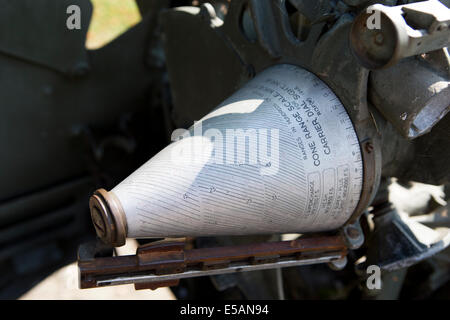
(280, 155)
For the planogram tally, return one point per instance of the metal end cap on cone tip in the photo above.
(108, 218)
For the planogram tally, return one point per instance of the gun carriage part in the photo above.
(164, 263)
(424, 87)
(383, 35)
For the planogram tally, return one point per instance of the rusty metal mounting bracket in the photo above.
(165, 262)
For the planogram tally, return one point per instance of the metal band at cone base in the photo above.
(108, 218)
(279, 156)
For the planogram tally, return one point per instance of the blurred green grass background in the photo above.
(110, 19)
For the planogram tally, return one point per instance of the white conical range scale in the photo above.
(279, 156)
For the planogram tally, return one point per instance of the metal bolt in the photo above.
(379, 38)
(338, 264)
(352, 232)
